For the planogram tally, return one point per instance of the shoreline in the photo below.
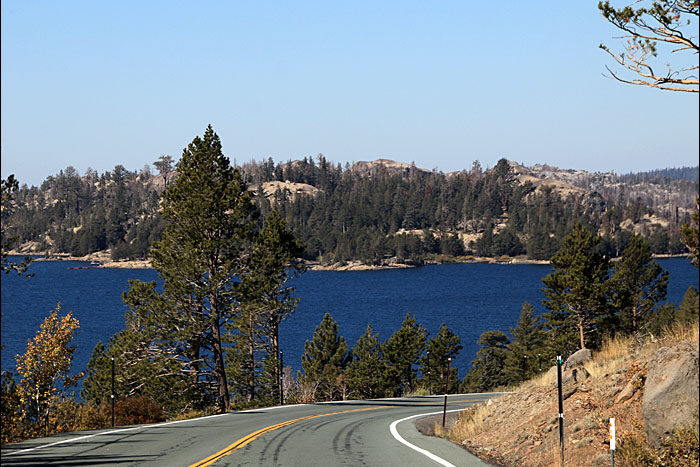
(105, 261)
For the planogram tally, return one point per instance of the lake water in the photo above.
(469, 298)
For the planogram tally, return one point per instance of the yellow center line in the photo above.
(256, 434)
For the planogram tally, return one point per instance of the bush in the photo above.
(137, 411)
(95, 416)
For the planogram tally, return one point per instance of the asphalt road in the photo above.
(354, 433)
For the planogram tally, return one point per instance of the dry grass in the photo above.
(470, 422)
(621, 348)
(421, 391)
(621, 352)
(539, 381)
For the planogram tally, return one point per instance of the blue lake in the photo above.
(469, 298)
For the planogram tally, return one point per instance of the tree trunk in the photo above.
(251, 359)
(580, 331)
(219, 367)
(276, 350)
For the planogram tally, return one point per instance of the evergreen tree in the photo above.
(691, 235)
(402, 351)
(324, 358)
(486, 370)
(201, 254)
(366, 367)
(576, 292)
(526, 349)
(97, 384)
(435, 361)
(689, 308)
(273, 262)
(9, 187)
(638, 284)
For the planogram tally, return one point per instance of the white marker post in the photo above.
(612, 442)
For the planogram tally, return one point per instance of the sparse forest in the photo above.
(370, 212)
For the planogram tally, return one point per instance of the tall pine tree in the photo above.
(402, 352)
(324, 359)
(638, 284)
(275, 259)
(576, 292)
(211, 223)
(435, 361)
(366, 366)
(526, 350)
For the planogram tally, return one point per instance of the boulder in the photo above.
(577, 358)
(671, 391)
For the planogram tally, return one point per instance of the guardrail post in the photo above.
(112, 395)
(612, 442)
(447, 385)
(430, 391)
(561, 409)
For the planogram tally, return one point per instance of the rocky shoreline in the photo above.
(104, 260)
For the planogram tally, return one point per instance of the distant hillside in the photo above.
(659, 175)
(378, 212)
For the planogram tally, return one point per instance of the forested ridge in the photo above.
(374, 212)
(225, 243)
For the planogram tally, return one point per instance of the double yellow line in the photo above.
(256, 434)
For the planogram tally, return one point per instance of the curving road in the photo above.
(354, 433)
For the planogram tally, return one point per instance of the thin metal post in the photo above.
(612, 442)
(112, 395)
(561, 409)
(427, 352)
(447, 385)
(281, 382)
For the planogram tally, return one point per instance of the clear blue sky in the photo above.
(96, 84)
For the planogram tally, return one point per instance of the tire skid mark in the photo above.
(357, 457)
(256, 434)
(287, 434)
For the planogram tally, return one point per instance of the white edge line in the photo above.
(123, 430)
(140, 427)
(430, 455)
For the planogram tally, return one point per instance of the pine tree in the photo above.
(526, 350)
(486, 370)
(402, 351)
(435, 361)
(9, 187)
(201, 255)
(274, 261)
(366, 366)
(576, 292)
(691, 235)
(689, 308)
(97, 383)
(638, 284)
(325, 356)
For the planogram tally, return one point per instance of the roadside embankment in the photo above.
(651, 389)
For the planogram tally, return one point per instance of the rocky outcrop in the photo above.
(671, 391)
(578, 358)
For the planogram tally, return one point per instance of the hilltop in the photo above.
(379, 213)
